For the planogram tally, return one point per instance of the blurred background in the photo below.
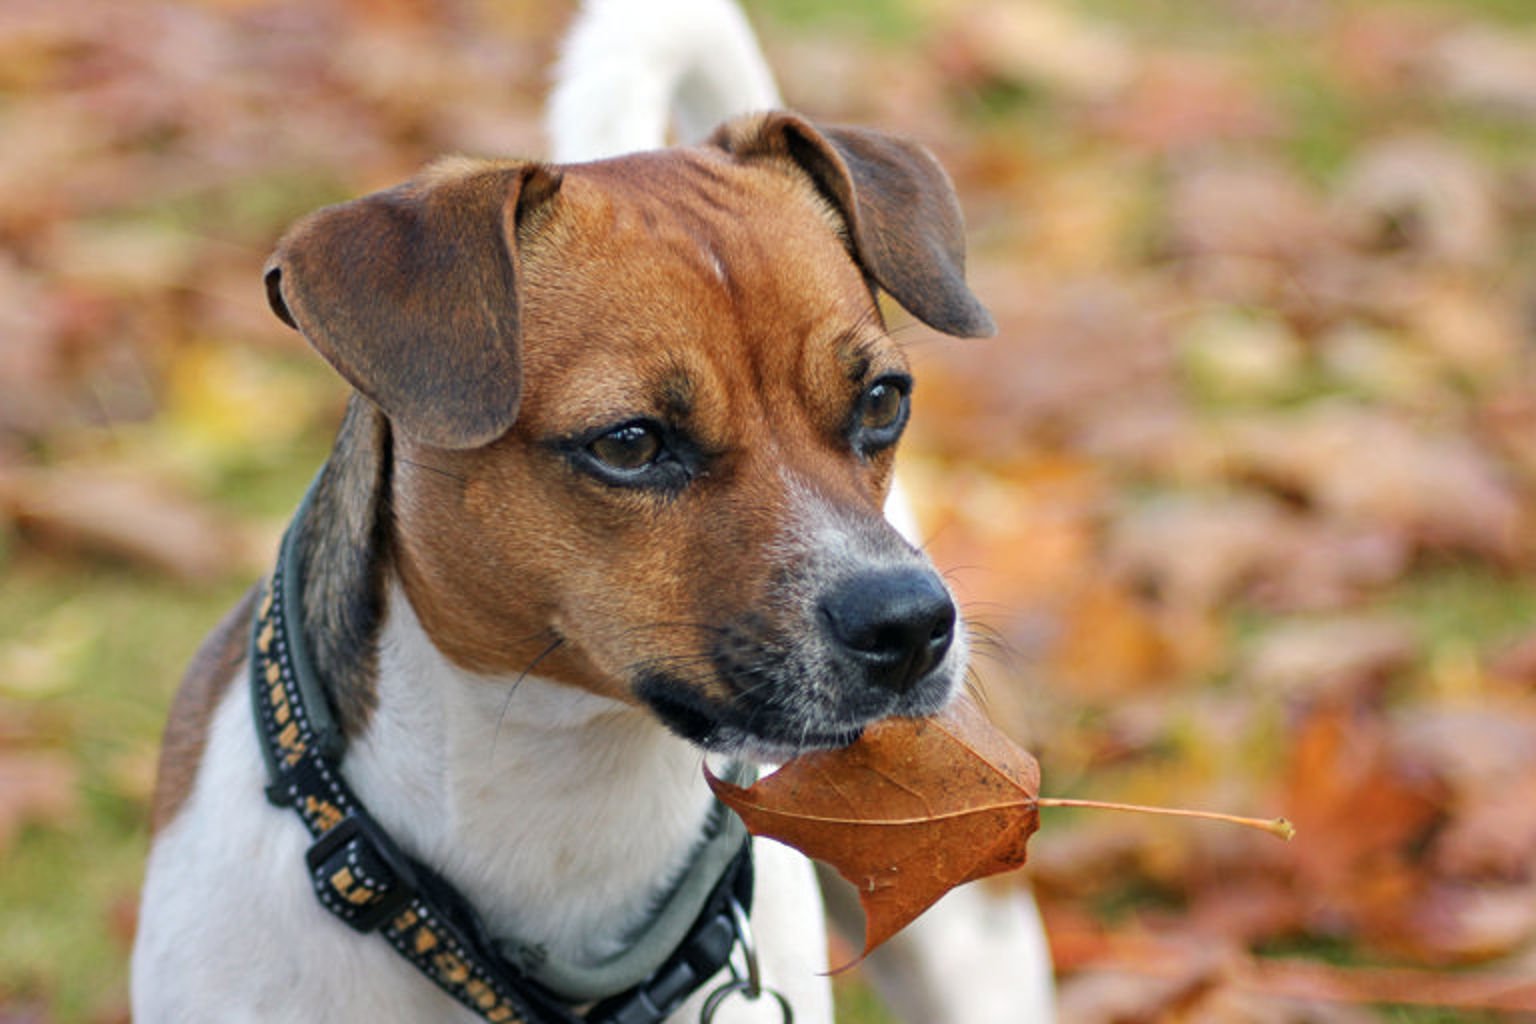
(1243, 491)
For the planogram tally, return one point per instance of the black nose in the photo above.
(896, 623)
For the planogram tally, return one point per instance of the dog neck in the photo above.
(562, 816)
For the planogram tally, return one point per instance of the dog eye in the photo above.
(881, 414)
(881, 407)
(629, 448)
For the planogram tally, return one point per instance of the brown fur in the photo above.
(491, 315)
(758, 341)
(344, 552)
(207, 680)
(901, 211)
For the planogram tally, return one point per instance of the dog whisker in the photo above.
(976, 691)
(506, 704)
(986, 641)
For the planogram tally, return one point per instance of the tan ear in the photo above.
(902, 214)
(412, 295)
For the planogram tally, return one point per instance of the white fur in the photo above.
(630, 65)
(560, 815)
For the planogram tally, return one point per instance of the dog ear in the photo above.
(902, 215)
(412, 295)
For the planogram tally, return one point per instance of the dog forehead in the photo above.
(700, 210)
(677, 268)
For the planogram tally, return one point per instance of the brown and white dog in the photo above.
(608, 495)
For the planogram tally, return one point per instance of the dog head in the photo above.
(644, 412)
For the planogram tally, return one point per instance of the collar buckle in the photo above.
(359, 874)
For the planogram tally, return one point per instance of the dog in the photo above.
(606, 500)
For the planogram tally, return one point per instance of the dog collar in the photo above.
(363, 877)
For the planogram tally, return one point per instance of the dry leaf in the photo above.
(1488, 67)
(1246, 209)
(1038, 44)
(1359, 465)
(913, 809)
(123, 516)
(36, 786)
(1426, 197)
(1183, 101)
(1365, 811)
(1196, 550)
(1341, 654)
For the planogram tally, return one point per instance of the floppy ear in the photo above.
(902, 214)
(412, 295)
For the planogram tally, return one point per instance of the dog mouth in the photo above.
(705, 726)
(762, 735)
(773, 723)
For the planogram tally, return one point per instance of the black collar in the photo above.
(363, 877)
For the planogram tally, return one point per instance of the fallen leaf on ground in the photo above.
(1336, 656)
(914, 808)
(121, 516)
(1179, 102)
(1488, 68)
(1359, 466)
(1365, 811)
(1111, 969)
(35, 787)
(1037, 44)
(1423, 196)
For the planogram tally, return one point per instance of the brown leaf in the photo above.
(1423, 197)
(1183, 101)
(1337, 655)
(122, 516)
(1111, 642)
(1365, 812)
(1358, 465)
(1245, 210)
(35, 787)
(1196, 550)
(1488, 68)
(1466, 923)
(911, 810)
(1037, 45)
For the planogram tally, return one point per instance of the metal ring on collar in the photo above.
(740, 986)
(748, 984)
(752, 984)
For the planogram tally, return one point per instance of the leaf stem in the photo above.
(1278, 827)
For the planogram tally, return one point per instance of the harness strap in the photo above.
(363, 877)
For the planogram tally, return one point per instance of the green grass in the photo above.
(885, 20)
(91, 657)
(1515, 13)
(856, 1003)
(1472, 607)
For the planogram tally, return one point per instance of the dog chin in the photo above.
(767, 751)
(764, 735)
(771, 736)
